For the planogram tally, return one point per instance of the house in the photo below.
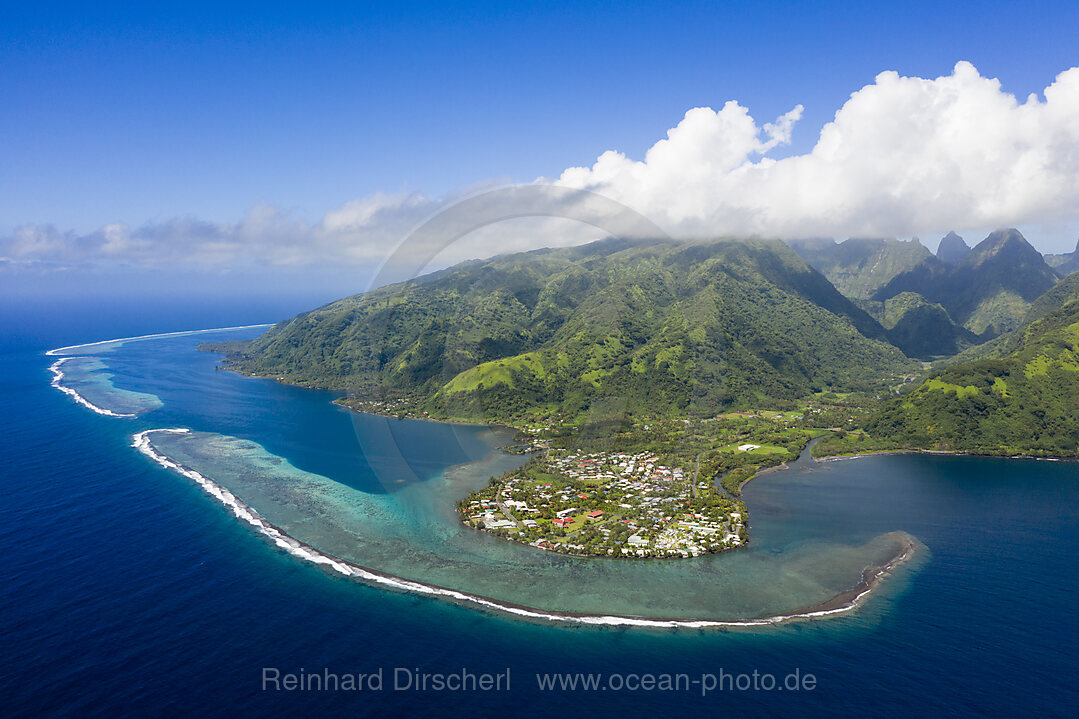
(748, 447)
(596, 514)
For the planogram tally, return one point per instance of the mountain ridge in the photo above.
(989, 291)
(689, 327)
(859, 267)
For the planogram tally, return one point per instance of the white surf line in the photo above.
(58, 374)
(60, 350)
(57, 378)
(306, 552)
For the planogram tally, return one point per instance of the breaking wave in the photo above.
(57, 382)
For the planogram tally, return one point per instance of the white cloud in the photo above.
(365, 212)
(903, 156)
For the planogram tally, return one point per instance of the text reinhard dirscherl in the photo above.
(405, 679)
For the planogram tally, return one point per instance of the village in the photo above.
(607, 504)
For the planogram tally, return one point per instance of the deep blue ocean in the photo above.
(127, 592)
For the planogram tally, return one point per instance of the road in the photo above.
(696, 469)
(506, 511)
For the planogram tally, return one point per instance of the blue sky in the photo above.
(123, 114)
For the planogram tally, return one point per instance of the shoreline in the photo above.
(942, 452)
(841, 603)
(337, 402)
(786, 464)
(892, 452)
(454, 422)
(469, 423)
(767, 470)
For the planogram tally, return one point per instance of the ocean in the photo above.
(128, 590)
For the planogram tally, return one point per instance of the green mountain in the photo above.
(682, 328)
(859, 267)
(1023, 401)
(989, 291)
(952, 249)
(923, 329)
(1066, 263)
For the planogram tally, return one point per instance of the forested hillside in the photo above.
(1023, 402)
(988, 291)
(682, 328)
(859, 267)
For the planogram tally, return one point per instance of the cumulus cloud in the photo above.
(903, 156)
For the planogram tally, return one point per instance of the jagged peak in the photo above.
(952, 248)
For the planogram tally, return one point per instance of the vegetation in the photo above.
(607, 504)
(923, 329)
(661, 488)
(635, 371)
(1021, 401)
(952, 249)
(989, 291)
(665, 329)
(860, 267)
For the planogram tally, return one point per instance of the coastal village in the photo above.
(607, 504)
(673, 491)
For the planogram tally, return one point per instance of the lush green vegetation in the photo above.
(661, 487)
(989, 291)
(645, 329)
(886, 277)
(860, 267)
(1023, 401)
(922, 328)
(710, 446)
